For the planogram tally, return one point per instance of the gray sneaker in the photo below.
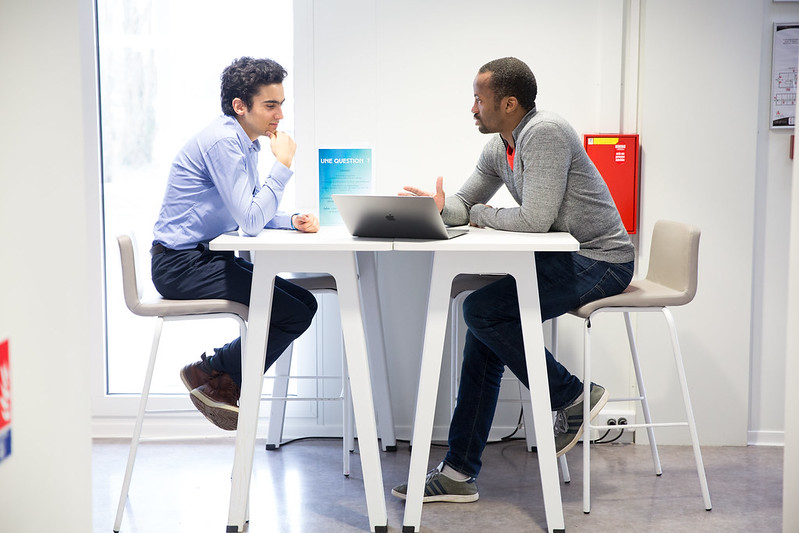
(569, 421)
(440, 488)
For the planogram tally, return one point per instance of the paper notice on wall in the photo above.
(783, 75)
(5, 402)
(342, 171)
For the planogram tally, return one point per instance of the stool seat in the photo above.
(640, 293)
(471, 282)
(313, 282)
(172, 308)
(163, 307)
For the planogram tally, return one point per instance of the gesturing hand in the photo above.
(438, 196)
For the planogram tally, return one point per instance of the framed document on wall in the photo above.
(785, 55)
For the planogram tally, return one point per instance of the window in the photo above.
(159, 63)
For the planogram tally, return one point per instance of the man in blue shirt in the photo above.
(213, 188)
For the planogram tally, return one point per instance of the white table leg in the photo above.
(263, 281)
(432, 352)
(373, 323)
(445, 266)
(533, 335)
(342, 265)
(345, 272)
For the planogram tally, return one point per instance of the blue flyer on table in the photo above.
(342, 171)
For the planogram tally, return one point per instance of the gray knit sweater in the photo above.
(554, 182)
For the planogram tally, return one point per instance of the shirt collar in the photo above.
(518, 129)
(244, 139)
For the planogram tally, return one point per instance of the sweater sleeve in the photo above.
(484, 182)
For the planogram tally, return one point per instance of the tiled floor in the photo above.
(184, 486)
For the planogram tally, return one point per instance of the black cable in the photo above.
(309, 437)
(622, 422)
(614, 439)
(518, 427)
(599, 440)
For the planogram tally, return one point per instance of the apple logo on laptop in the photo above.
(390, 217)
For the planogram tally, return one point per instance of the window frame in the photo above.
(113, 414)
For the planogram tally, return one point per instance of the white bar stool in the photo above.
(163, 310)
(670, 281)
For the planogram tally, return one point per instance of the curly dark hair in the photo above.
(512, 77)
(243, 79)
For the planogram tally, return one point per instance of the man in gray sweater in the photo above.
(539, 157)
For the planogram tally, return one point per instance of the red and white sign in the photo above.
(5, 402)
(616, 158)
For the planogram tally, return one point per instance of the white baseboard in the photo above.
(766, 438)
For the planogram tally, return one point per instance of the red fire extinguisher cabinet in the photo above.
(616, 158)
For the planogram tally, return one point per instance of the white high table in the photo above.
(485, 251)
(333, 251)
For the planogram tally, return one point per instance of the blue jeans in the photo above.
(566, 280)
(202, 273)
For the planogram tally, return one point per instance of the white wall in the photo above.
(700, 157)
(699, 163)
(771, 266)
(409, 98)
(790, 491)
(48, 273)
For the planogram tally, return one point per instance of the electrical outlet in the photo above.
(609, 417)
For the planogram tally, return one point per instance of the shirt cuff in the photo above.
(280, 221)
(280, 173)
(475, 215)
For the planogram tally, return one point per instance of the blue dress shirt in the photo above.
(213, 188)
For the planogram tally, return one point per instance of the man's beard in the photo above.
(482, 127)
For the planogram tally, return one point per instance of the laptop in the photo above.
(397, 217)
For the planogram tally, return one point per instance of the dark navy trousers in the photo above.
(566, 280)
(201, 273)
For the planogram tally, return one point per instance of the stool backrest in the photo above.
(674, 258)
(130, 285)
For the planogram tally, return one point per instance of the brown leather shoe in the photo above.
(197, 374)
(218, 401)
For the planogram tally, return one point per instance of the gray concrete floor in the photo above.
(184, 486)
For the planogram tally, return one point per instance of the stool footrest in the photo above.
(338, 378)
(299, 398)
(168, 411)
(630, 399)
(632, 426)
